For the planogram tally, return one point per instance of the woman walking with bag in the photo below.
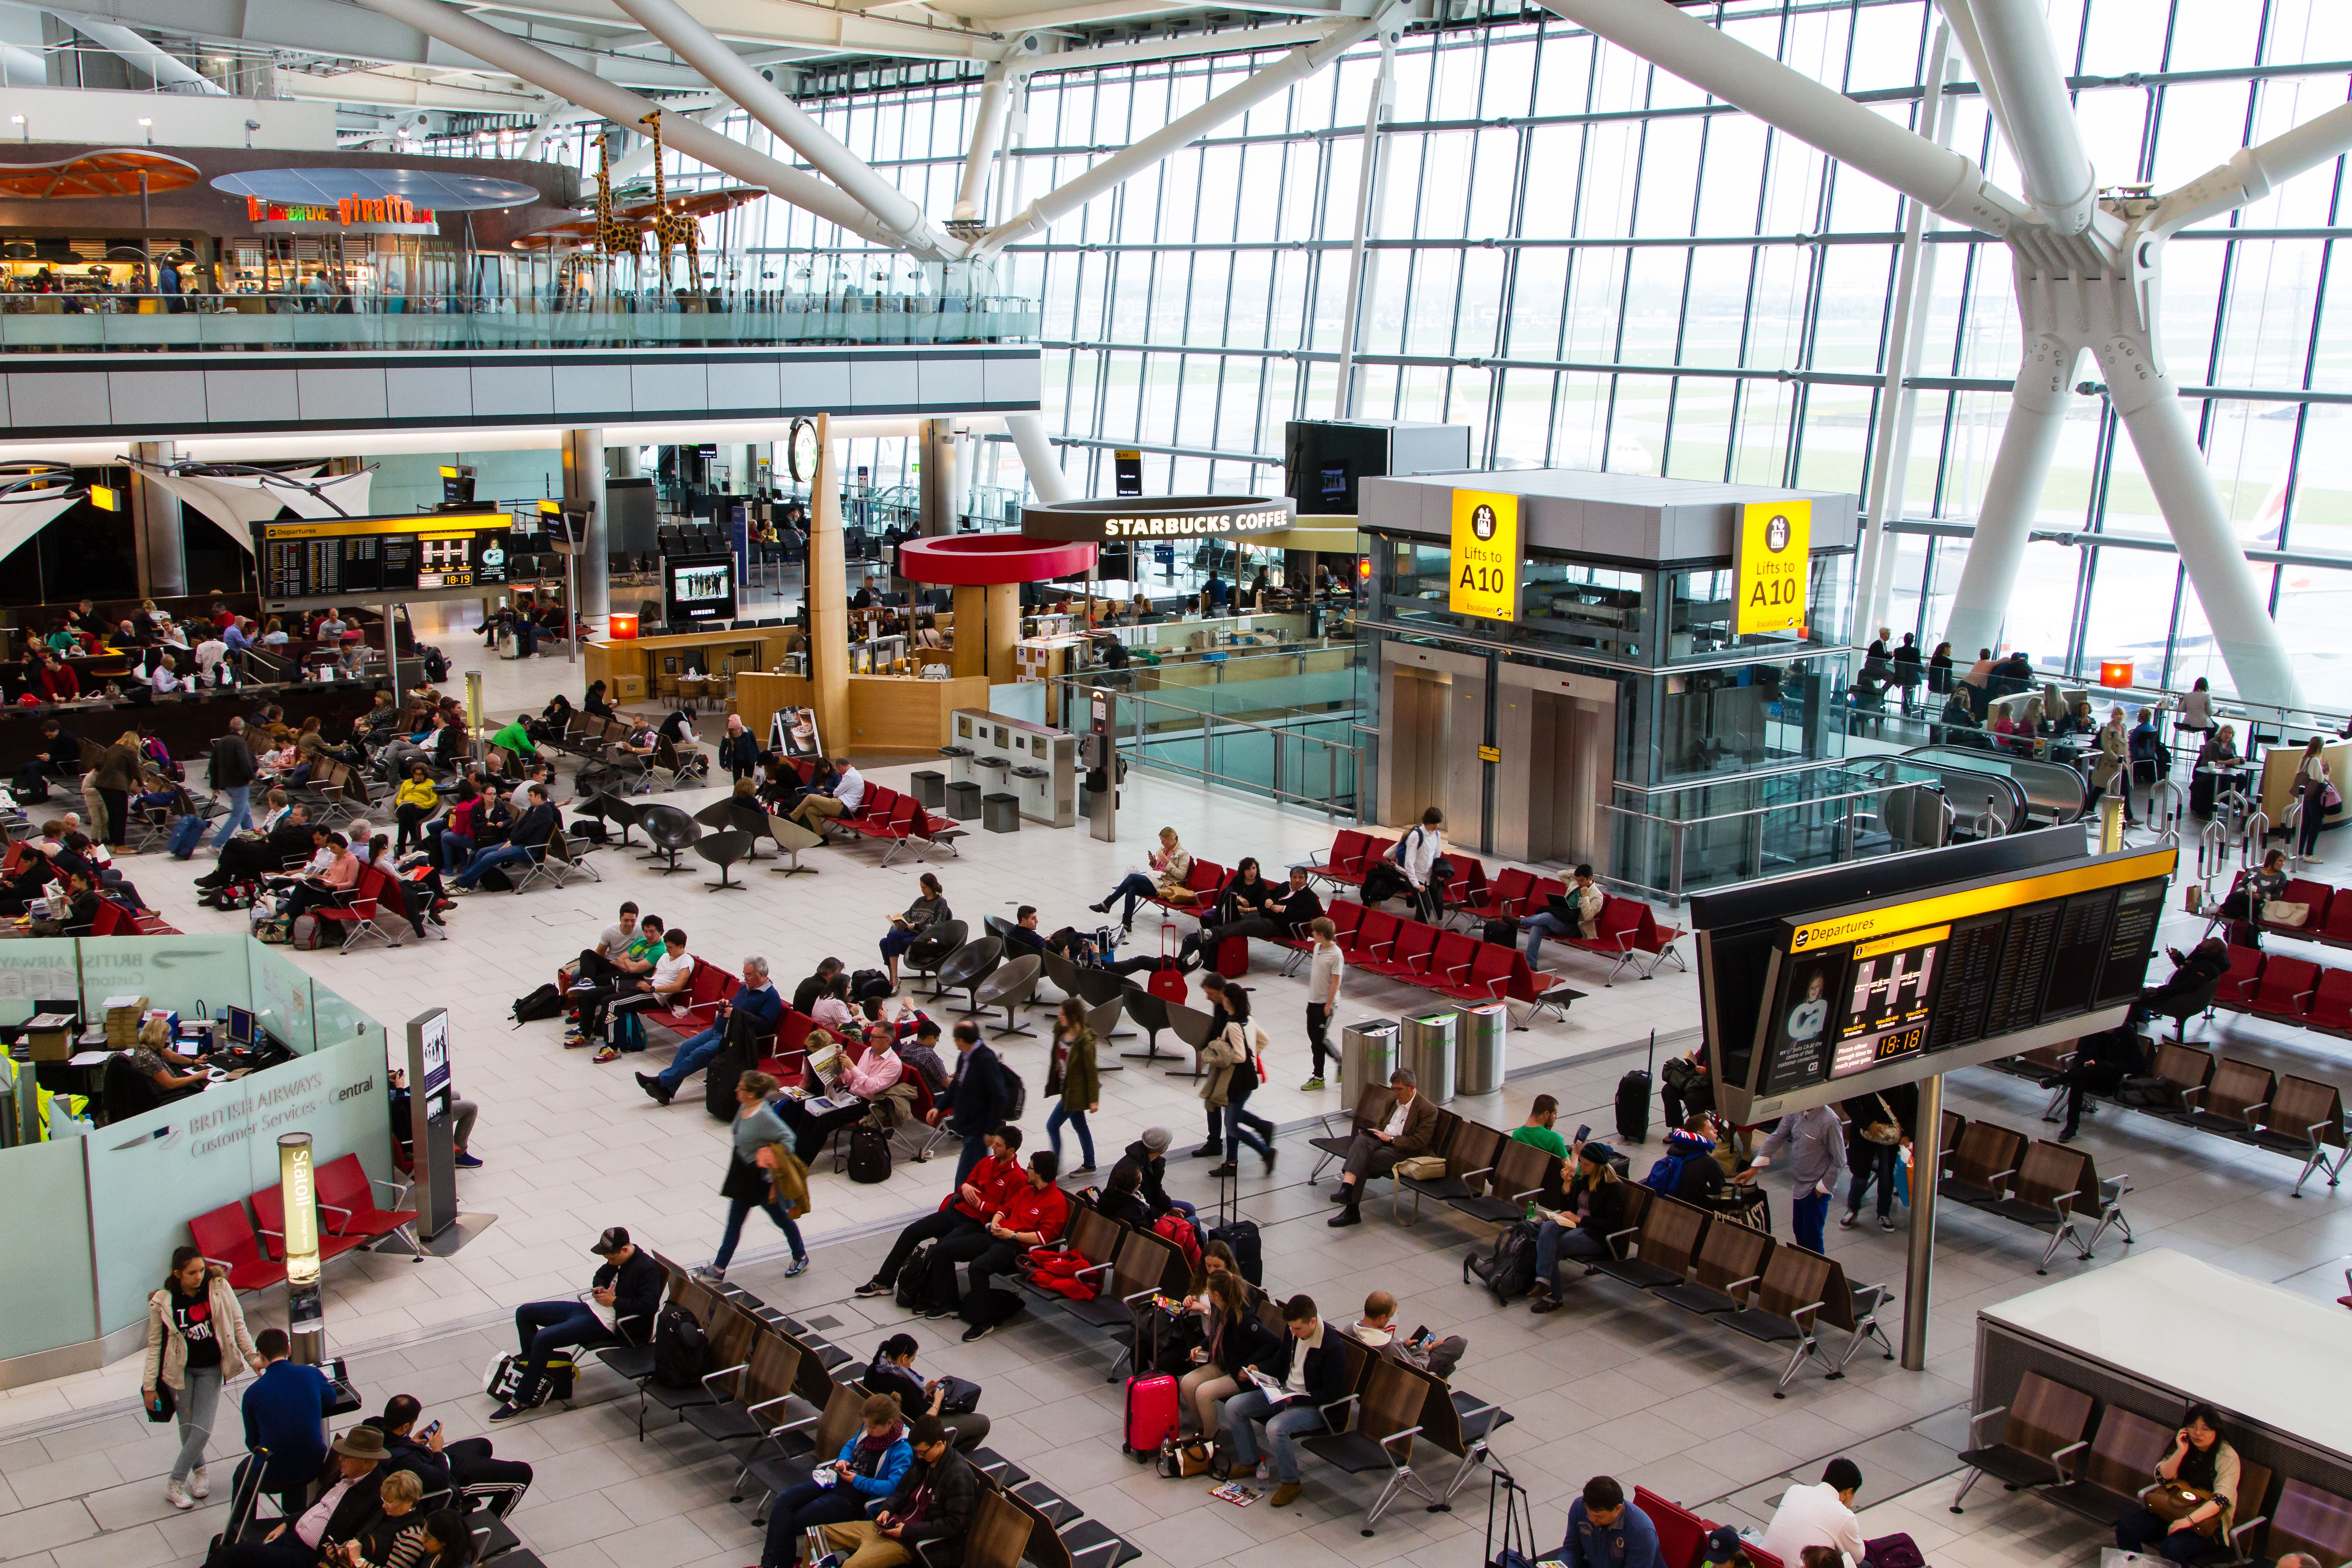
(1072, 1075)
(188, 1319)
(761, 1158)
(1880, 1129)
(1232, 1059)
(2317, 793)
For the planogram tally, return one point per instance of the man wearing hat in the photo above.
(623, 1298)
(1604, 1531)
(354, 1476)
(1149, 1153)
(933, 1508)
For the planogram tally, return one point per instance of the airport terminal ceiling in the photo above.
(1586, 258)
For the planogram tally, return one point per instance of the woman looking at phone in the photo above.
(2187, 1514)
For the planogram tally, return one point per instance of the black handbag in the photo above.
(958, 1396)
(164, 1406)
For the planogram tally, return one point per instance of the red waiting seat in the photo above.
(1345, 915)
(2337, 928)
(2331, 1004)
(2235, 990)
(1467, 887)
(1505, 895)
(1681, 1534)
(1374, 938)
(1450, 964)
(2284, 988)
(1407, 954)
(1344, 864)
(347, 1198)
(269, 1208)
(2317, 898)
(709, 986)
(226, 1237)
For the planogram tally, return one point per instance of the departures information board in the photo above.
(384, 557)
(1868, 986)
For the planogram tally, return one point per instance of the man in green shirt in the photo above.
(515, 741)
(1538, 1130)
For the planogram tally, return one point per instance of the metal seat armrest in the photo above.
(1094, 1268)
(1995, 1179)
(1112, 1546)
(2237, 1531)
(1481, 1170)
(794, 1426)
(2064, 1203)
(2120, 1183)
(1799, 1316)
(2055, 1459)
(765, 1404)
(1735, 1284)
(336, 1208)
(1522, 1197)
(398, 1190)
(2258, 1105)
(1145, 1294)
(1408, 1432)
(1984, 1414)
(1341, 1403)
(723, 1371)
(2190, 1093)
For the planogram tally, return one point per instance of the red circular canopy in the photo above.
(986, 560)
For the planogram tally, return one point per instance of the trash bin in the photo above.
(963, 800)
(1428, 1050)
(930, 789)
(1001, 813)
(1478, 1033)
(1368, 1054)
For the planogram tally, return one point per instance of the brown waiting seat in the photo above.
(1788, 1306)
(1658, 1253)
(1522, 1172)
(2057, 1189)
(1729, 1261)
(789, 1451)
(2185, 1071)
(2305, 1118)
(1094, 1237)
(1060, 1537)
(1470, 1156)
(2248, 1517)
(1457, 1422)
(2045, 1424)
(1388, 1406)
(2105, 1479)
(752, 1399)
(1979, 1167)
(1142, 1266)
(1333, 1145)
(2233, 1101)
(1952, 1124)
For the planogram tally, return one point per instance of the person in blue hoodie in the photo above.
(1604, 1531)
(845, 1492)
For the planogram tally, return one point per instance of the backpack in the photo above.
(912, 1276)
(1509, 1269)
(681, 1350)
(540, 1004)
(869, 1153)
(437, 664)
(1503, 930)
(304, 935)
(1016, 1093)
(1665, 1177)
(625, 1031)
(1180, 1233)
(867, 983)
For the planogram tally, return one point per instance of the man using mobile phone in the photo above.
(438, 1463)
(870, 1466)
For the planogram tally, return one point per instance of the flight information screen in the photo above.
(1863, 988)
(362, 556)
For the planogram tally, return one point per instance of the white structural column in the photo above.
(1363, 264)
(2037, 413)
(1818, 115)
(1036, 449)
(2235, 607)
(157, 543)
(1133, 159)
(168, 69)
(987, 131)
(583, 484)
(2044, 139)
(1906, 335)
(734, 76)
(507, 53)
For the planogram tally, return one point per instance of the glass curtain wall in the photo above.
(1594, 265)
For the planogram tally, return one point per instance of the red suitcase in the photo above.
(1151, 1414)
(1232, 957)
(1167, 981)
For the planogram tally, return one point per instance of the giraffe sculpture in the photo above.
(614, 238)
(671, 227)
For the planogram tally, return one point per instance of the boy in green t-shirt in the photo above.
(1538, 1129)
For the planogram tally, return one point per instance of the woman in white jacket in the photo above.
(196, 1335)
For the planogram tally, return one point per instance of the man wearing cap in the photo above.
(1604, 1531)
(1398, 1132)
(933, 1508)
(622, 1300)
(351, 1502)
(1149, 1153)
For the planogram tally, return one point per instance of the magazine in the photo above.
(1236, 1494)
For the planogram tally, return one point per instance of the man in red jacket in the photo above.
(964, 1212)
(1034, 1215)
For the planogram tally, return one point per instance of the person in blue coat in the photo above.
(1604, 1531)
(285, 1415)
(870, 1470)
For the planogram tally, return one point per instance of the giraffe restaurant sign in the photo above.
(351, 215)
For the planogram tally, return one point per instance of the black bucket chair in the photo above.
(671, 831)
(939, 940)
(722, 850)
(968, 966)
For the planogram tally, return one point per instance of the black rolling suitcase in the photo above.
(1633, 1099)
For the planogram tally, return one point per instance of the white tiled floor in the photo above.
(1612, 1385)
